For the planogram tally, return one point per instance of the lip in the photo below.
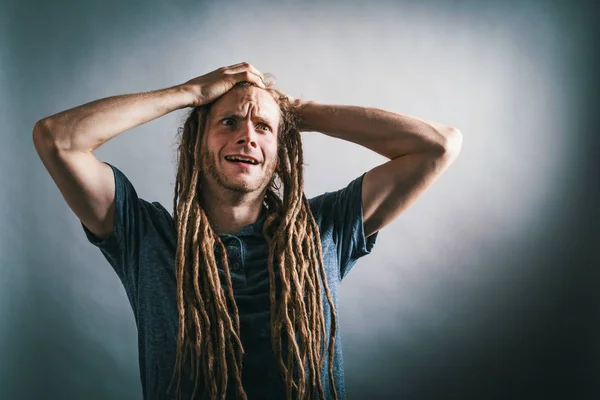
(242, 165)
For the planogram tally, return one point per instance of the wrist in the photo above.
(186, 97)
(301, 108)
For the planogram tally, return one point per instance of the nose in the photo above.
(247, 134)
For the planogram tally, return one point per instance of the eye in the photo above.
(227, 119)
(266, 126)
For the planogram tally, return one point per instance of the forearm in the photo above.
(389, 134)
(86, 127)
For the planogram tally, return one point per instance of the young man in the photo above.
(235, 294)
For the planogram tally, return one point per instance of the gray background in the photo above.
(485, 288)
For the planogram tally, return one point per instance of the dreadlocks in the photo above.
(209, 324)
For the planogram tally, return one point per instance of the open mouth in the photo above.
(241, 161)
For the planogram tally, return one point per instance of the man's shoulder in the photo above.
(334, 208)
(160, 213)
(352, 188)
(127, 193)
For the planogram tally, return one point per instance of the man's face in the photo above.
(242, 122)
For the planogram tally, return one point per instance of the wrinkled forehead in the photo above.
(240, 101)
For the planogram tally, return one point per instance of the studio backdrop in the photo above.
(486, 288)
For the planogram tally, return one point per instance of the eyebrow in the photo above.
(237, 115)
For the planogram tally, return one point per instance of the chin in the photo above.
(245, 185)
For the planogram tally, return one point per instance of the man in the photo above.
(235, 295)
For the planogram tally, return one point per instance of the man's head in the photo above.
(244, 123)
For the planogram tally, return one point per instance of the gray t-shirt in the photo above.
(142, 249)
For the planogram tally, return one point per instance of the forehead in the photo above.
(238, 101)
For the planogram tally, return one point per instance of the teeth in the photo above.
(235, 158)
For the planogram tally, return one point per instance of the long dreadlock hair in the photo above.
(209, 325)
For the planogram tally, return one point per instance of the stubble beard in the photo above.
(237, 184)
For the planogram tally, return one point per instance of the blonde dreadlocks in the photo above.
(209, 324)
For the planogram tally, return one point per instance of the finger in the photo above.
(247, 67)
(255, 71)
(248, 76)
(235, 66)
(234, 69)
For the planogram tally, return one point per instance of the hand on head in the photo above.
(209, 87)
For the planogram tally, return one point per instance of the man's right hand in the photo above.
(207, 88)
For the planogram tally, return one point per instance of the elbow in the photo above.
(452, 140)
(42, 138)
(42, 129)
(45, 133)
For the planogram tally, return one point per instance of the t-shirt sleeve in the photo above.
(341, 212)
(121, 248)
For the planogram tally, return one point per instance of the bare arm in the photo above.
(86, 127)
(65, 141)
(419, 152)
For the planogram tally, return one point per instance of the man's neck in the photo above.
(228, 214)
